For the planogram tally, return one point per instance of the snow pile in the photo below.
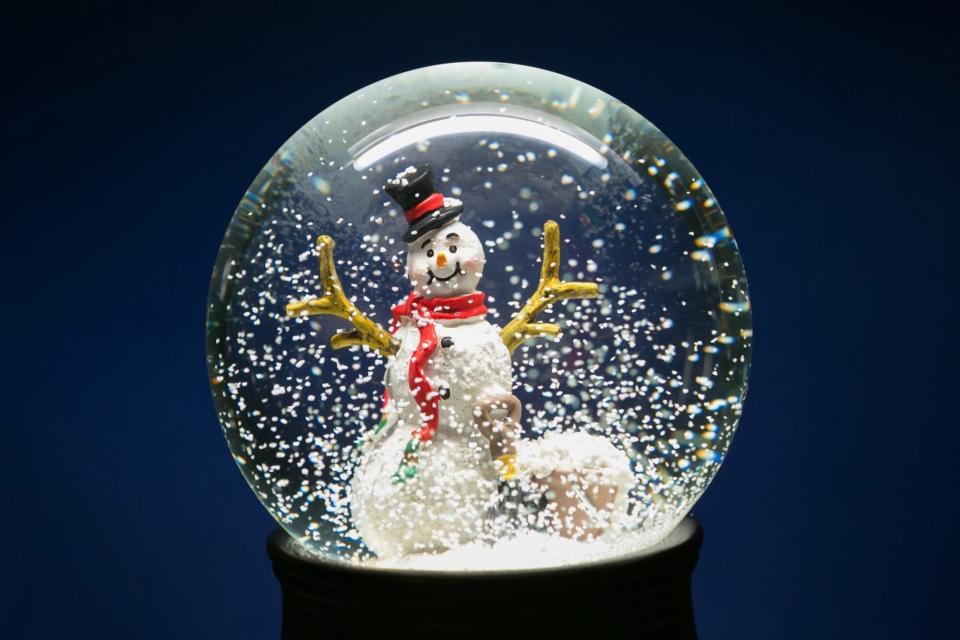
(527, 550)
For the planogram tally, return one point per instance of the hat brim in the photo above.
(431, 221)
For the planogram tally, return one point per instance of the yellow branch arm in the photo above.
(335, 303)
(550, 290)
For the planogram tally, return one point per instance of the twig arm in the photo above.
(550, 290)
(335, 303)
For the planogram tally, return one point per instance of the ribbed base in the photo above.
(646, 595)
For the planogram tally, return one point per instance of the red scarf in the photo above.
(424, 311)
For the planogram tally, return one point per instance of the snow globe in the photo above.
(473, 322)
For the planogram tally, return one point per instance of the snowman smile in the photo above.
(433, 276)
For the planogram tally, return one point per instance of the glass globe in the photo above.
(478, 316)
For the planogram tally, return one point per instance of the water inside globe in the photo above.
(642, 386)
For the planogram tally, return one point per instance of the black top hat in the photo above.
(422, 206)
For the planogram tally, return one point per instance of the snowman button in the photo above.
(446, 342)
(444, 392)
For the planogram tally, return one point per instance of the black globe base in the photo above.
(646, 595)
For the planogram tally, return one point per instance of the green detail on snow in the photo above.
(403, 473)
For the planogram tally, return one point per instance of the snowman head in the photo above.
(446, 262)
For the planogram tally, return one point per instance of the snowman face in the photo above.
(446, 262)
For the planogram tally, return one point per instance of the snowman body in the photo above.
(446, 341)
(456, 485)
(476, 364)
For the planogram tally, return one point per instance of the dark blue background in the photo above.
(130, 135)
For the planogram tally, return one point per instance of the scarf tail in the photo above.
(427, 399)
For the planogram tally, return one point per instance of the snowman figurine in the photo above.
(447, 464)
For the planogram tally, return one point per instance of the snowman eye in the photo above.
(453, 248)
(429, 253)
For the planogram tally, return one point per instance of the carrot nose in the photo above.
(441, 259)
